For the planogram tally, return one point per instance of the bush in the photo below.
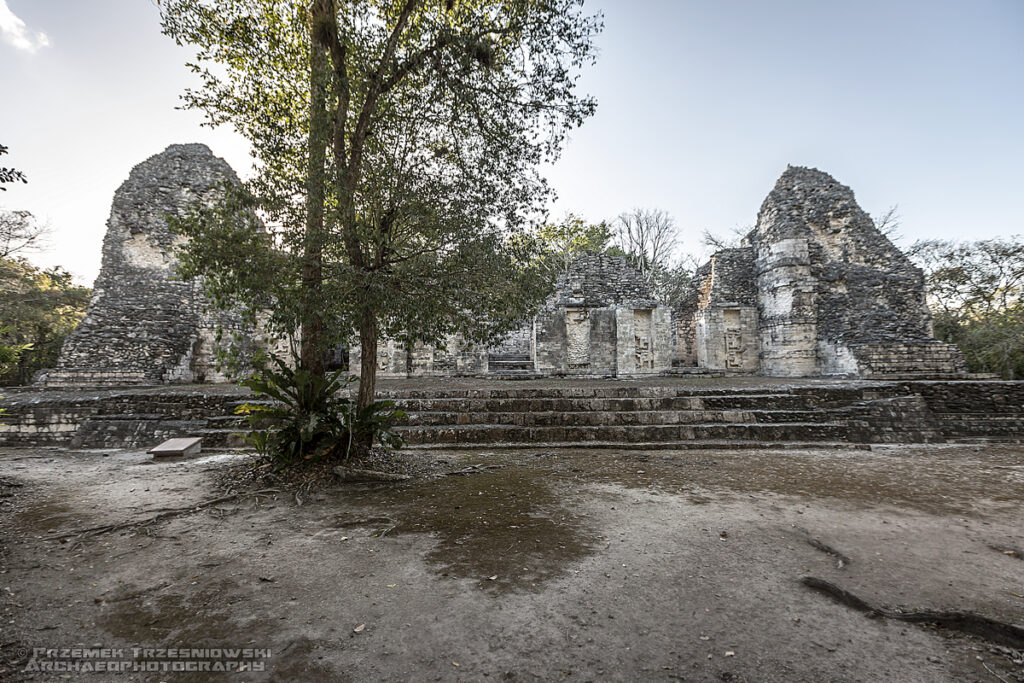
(305, 419)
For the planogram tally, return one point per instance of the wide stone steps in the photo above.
(601, 418)
(967, 426)
(487, 434)
(607, 404)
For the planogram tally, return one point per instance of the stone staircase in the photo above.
(634, 417)
(511, 366)
(116, 425)
(660, 414)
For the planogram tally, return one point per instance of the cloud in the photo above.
(14, 31)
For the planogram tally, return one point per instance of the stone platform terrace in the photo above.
(663, 412)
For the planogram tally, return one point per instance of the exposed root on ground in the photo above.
(474, 469)
(166, 514)
(1008, 551)
(841, 560)
(816, 543)
(993, 630)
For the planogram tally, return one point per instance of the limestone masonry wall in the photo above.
(823, 291)
(143, 326)
(602, 320)
(814, 289)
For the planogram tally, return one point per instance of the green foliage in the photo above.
(9, 175)
(671, 284)
(10, 353)
(38, 310)
(304, 419)
(397, 144)
(564, 241)
(976, 296)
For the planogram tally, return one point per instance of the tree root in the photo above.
(166, 514)
(993, 630)
(473, 469)
(1008, 551)
(841, 560)
(365, 521)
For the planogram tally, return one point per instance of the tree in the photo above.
(19, 232)
(397, 144)
(731, 240)
(888, 222)
(564, 241)
(976, 295)
(649, 238)
(9, 175)
(37, 312)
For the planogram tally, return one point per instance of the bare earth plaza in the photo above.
(372, 403)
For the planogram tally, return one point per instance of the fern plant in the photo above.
(303, 418)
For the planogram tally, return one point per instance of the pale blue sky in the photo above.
(701, 104)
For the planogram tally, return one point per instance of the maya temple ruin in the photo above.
(816, 305)
(814, 290)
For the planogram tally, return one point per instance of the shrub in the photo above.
(305, 419)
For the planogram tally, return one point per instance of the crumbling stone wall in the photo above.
(143, 326)
(455, 357)
(834, 292)
(716, 325)
(819, 287)
(602, 320)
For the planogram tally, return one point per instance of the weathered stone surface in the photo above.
(716, 325)
(143, 326)
(602, 320)
(620, 414)
(819, 288)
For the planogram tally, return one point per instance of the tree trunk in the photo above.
(368, 360)
(311, 356)
(367, 368)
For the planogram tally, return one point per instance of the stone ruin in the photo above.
(815, 289)
(603, 320)
(142, 325)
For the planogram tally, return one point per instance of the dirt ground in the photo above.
(575, 566)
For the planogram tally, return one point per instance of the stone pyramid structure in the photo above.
(143, 325)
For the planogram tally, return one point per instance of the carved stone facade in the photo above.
(455, 358)
(142, 325)
(602, 320)
(815, 289)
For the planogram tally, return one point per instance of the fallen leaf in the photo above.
(455, 663)
(392, 585)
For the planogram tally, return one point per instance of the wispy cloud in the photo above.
(14, 31)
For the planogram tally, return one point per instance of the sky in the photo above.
(701, 105)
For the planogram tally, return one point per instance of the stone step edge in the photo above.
(694, 444)
(482, 426)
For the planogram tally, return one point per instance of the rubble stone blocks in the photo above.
(602, 320)
(814, 289)
(817, 288)
(567, 414)
(142, 325)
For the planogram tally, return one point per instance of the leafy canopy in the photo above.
(976, 295)
(38, 310)
(434, 117)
